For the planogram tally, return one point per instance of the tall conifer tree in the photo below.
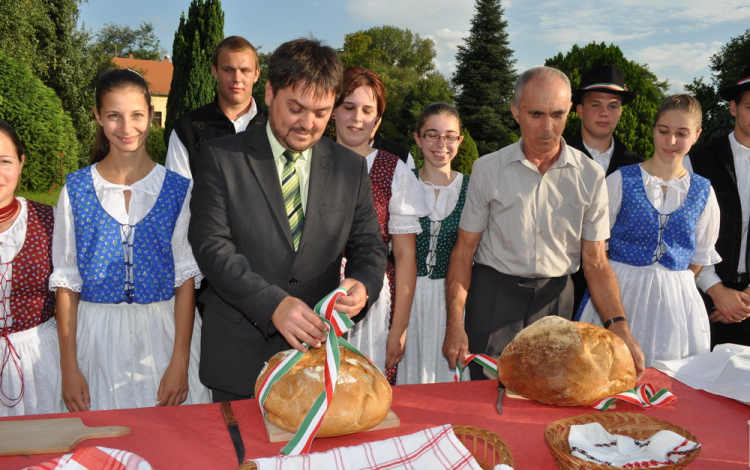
(194, 42)
(485, 77)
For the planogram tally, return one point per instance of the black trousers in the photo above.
(220, 395)
(499, 306)
(737, 333)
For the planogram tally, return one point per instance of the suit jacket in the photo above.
(621, 155)
(241, 239)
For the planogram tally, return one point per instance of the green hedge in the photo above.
(45, 129)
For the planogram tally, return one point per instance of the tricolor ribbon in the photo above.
(644, 395)
(338, 324)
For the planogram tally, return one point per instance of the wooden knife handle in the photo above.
(226, 410)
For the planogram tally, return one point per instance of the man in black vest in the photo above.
(598, 102)
(726, 162)
(236, 69)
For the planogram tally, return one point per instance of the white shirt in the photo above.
(177, 154)
(143, 196)
(602, 158)
(708, 277)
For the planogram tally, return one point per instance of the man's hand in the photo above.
(298, 324)
(455, 345)
(355, 299)
(732, 305)
(622, 330)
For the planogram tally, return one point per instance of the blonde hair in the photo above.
(686, 104)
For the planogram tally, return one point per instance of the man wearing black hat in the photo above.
(726, 162)
(598, 102)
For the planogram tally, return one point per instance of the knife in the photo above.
(234, 431)
(500, 394)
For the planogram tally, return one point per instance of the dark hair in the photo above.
(434, 109)
(306, 62)
(234, 44)
(684, 103)
(355, 77)
(7, 129)
(112, 80)
(738, 97)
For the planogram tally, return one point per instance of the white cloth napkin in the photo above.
(725, 371)
(593, 443)
(95, 458)
(430, 449)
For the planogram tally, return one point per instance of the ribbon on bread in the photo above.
(644, 395)
(338, 324)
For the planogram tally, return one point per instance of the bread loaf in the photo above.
(361, 400)
(566, 363)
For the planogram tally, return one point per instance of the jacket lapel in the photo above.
(261, 163)
(321, 165)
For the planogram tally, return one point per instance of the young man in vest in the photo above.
(726, 162)
(236, 69)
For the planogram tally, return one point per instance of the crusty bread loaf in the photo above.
(566, 363)
(361, 400)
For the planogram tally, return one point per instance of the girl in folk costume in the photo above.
(29, 354)
(665, 222)
(124, 271)
(439, 136)
(381, 335)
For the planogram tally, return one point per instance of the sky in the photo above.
(674, 38)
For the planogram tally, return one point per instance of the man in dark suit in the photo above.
(273, 210)
(236, 68)
(725, 162)
(598, 102)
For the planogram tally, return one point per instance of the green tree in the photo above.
(637, 118)
(43, 126)
(485, 77)
(116, 40)
(727, 64)
(404, 62)
(157, 148)
(194, 42)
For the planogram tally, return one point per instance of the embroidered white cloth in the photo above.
(725, 371)
(95, 458)
(434, 448)
(593, 443)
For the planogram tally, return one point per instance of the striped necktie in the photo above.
(292, 197)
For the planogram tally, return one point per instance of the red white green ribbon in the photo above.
(338, 324)
(644, 395)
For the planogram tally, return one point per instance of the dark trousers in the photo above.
(499, 306)
(737, 333)
(220, 395)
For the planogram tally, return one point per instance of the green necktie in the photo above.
(292, 197)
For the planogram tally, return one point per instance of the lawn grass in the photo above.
(44, 197)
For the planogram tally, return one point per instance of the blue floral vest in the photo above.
(637, 232)
(100, 257)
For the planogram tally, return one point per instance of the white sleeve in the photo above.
(64, 258)
(707, 278)
(407, 202)
(185, 266)
(614, 190)
(707, 232)
(410, 162)
(177, 157)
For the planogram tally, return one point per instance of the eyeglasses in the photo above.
(433, 137)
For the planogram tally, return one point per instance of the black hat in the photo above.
(729, 93)
(605, 79)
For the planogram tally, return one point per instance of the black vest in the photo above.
(621, 155)
(206, 123)
(715, 161)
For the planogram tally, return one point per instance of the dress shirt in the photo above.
(708, 277)
(602, 158)
(533, 224)
(177, 155)
(302, 165)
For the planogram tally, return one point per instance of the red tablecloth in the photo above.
(195, 437)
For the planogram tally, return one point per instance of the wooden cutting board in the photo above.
(276, 434)
(45, 436)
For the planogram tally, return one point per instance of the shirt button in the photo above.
(293, 282)
(539, 259)
(540, 232)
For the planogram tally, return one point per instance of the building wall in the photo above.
(160, 106)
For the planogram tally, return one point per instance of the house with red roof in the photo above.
(158, 75)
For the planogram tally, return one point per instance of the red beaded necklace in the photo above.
(7, 212)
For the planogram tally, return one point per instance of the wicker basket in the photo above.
(486, 447)
(633, 425)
